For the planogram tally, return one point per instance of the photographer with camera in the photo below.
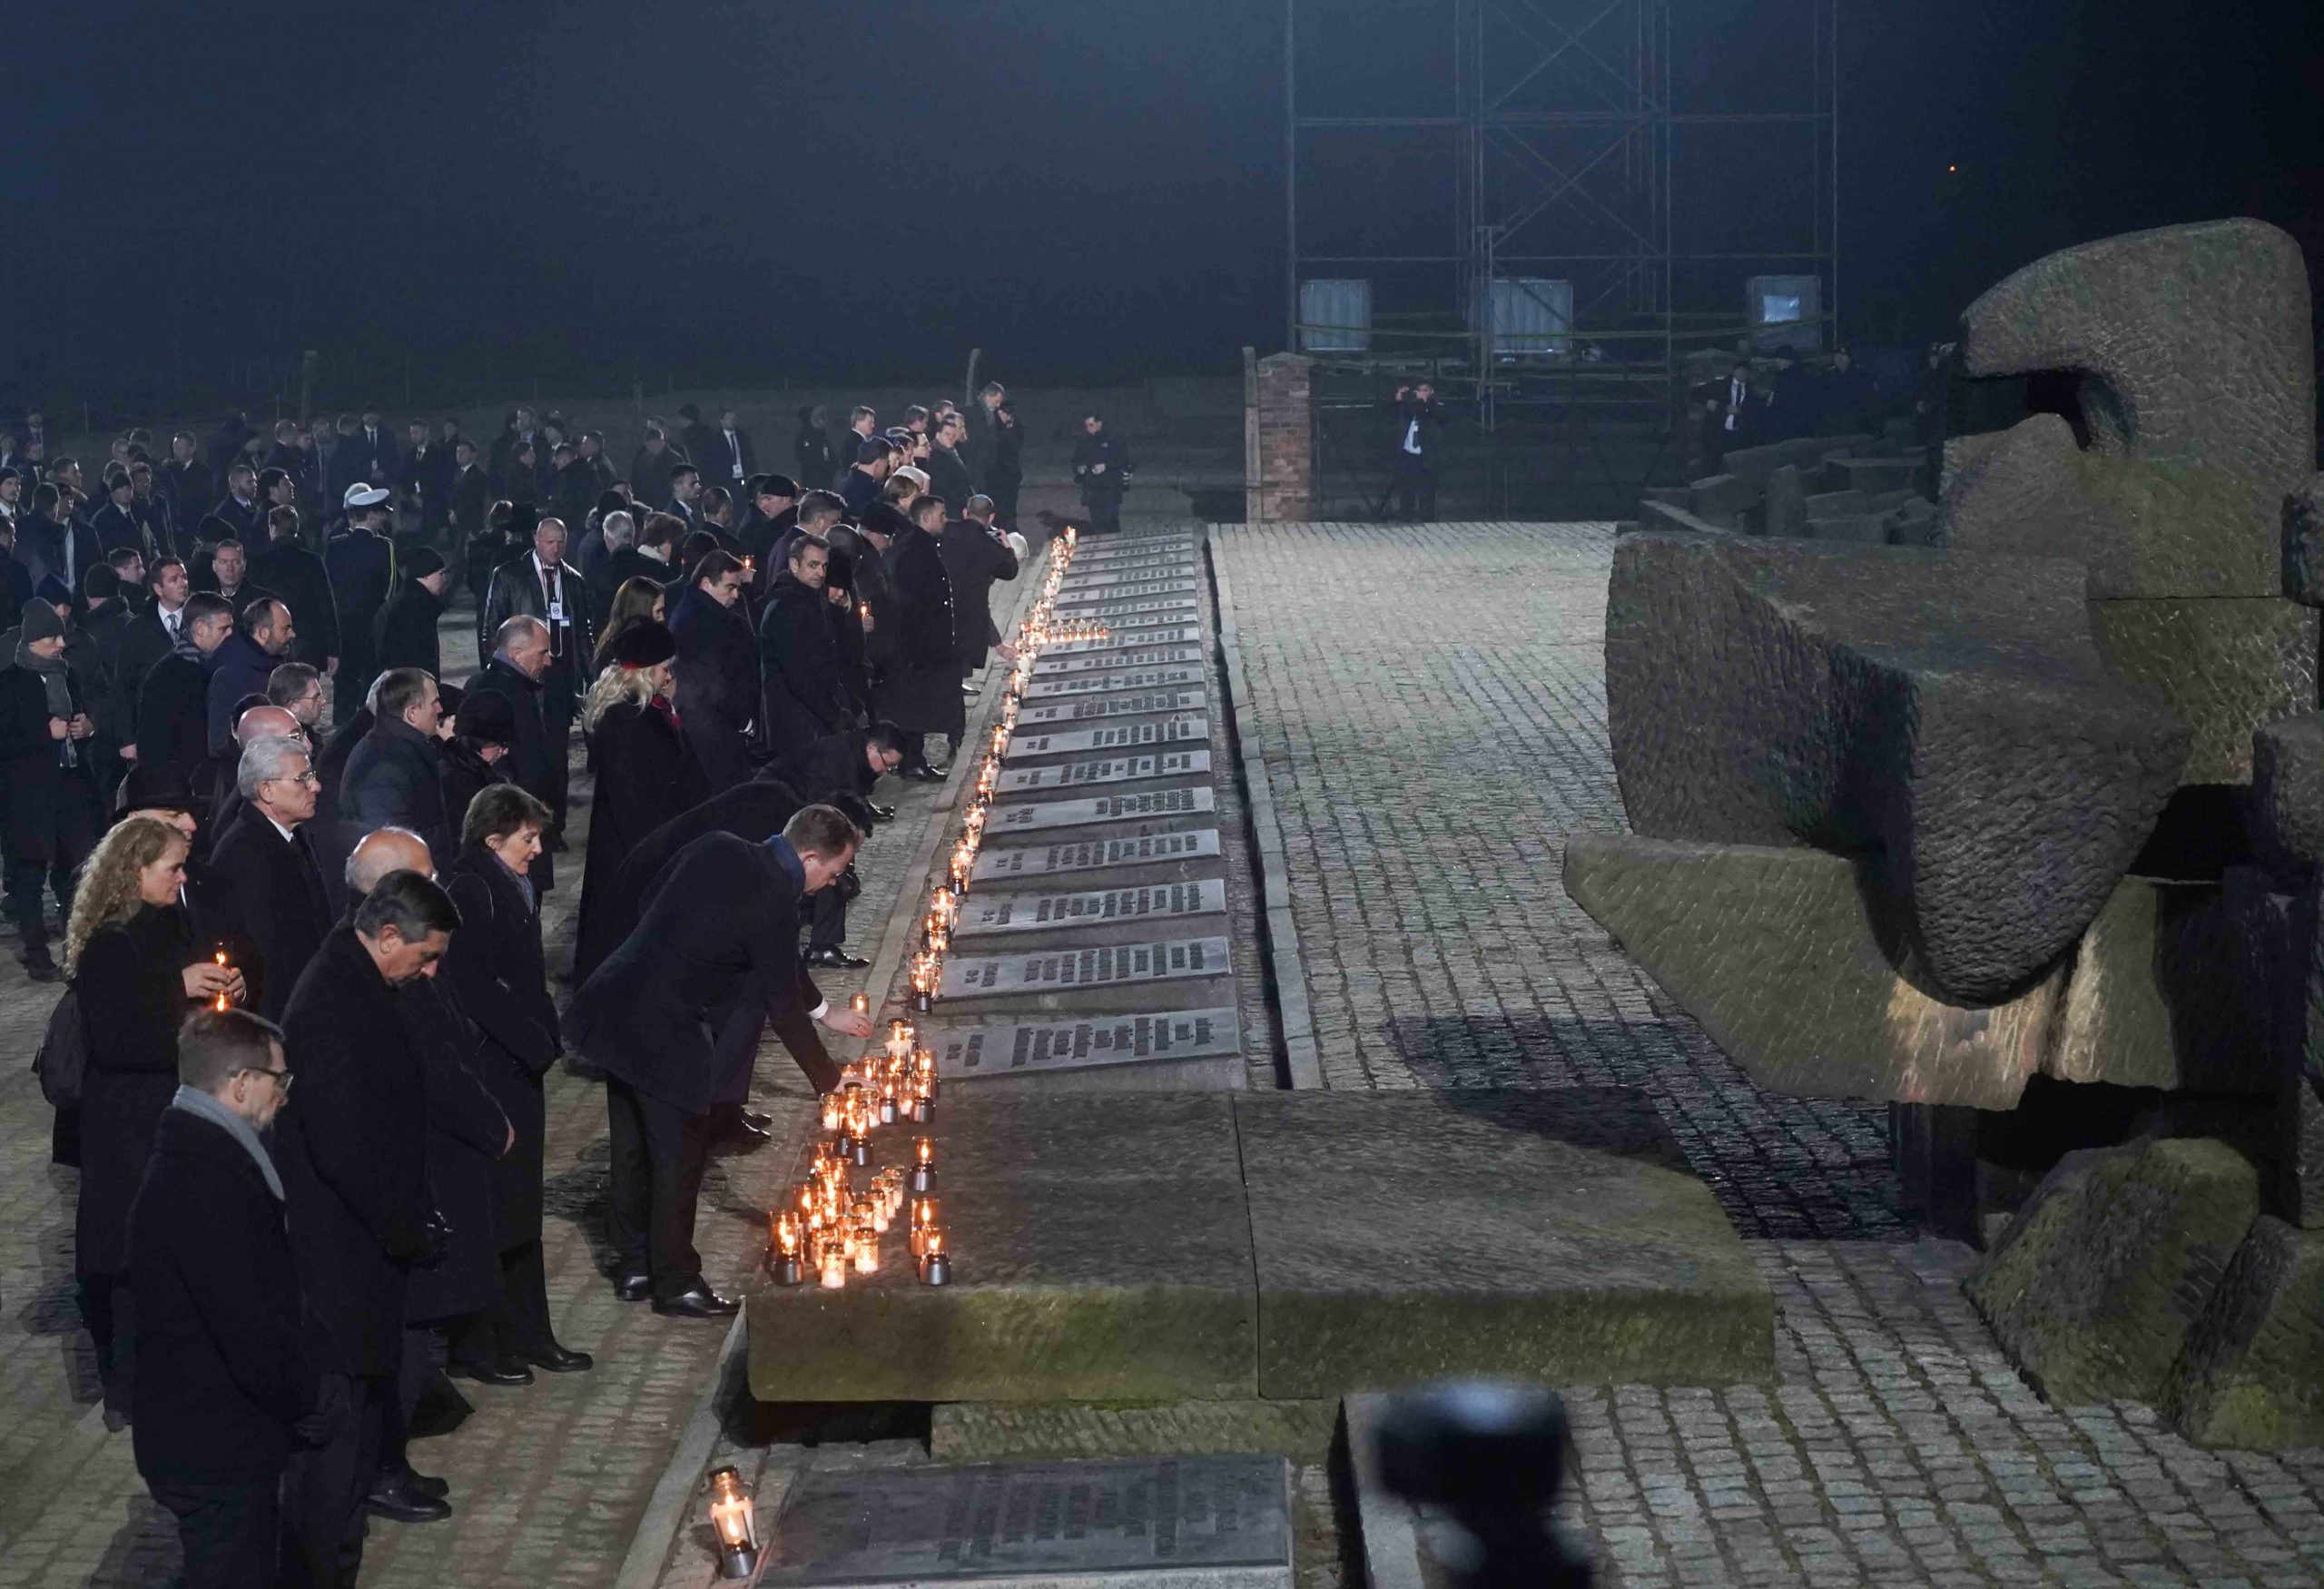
(1413, 464)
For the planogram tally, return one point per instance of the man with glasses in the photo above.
(267, 899)
(227, 1385)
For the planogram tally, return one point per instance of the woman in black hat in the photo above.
(405, 631)
(646, 772)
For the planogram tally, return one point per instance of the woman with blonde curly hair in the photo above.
(639, 600)
(646, 771)
(136, 974)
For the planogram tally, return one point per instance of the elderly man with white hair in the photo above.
(266, 905)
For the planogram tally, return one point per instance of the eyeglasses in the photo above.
(281, 1078)
(312, 779)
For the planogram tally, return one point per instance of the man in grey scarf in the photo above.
(47, 784)
(226, 1385)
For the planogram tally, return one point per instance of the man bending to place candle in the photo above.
(674, 1017)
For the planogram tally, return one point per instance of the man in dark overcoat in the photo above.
(920, 692)
(353, 1151)
(803, 692)
(264, 893)
(674, 1017)
(718, 672)
(536, 762)
(226, 1381)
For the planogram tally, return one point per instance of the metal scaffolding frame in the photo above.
(1572, 161)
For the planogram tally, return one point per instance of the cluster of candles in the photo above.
(832, 1225)
(1038, 628)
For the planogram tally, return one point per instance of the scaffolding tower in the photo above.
(1615, 172)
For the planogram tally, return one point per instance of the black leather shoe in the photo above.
(401, 1502)
(634, 1288)
(757, 1120)
(560, 1360)
(741, 1127)
(427, 1484)
(884, 813)
(41, 970)
(833, 958)
(698, 1302)
(923, 775)
(507, 1373)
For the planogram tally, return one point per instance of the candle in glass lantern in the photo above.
(888, 1104)
(832, 1268)
(731, 1519)
(867, 1250)
(861, 1003)
(898, 1040)
(935, 1263)
(831, 1111)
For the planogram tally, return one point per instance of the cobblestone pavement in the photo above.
(548, 1482)
(1428, 706)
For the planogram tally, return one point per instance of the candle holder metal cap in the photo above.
(936, 1269)
(788, 1268)
(921, 1178)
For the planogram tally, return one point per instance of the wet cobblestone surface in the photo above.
(1428, 709)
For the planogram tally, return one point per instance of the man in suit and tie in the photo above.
(728, 458)
(266, 893)
(685, 485)
(542, 585)
(467, 494)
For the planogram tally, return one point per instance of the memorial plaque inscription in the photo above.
(1218, 1522)
(1110, 706)
(1011, 819)
(1097, 854)
(1140, 655)
(1121, 736)
(1119, 769)
(1068, 971)
(1097, 594)
(1126, 635)
(1013, 1048)
(1041, 913)
(1098, 683)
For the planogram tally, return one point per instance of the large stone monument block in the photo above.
(2097, 1283)
(2197, 403)
(2252, 1374)
(1947, 713)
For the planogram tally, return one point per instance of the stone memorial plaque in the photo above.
(1139, 653)
(1100, 684)
(1125, 636)
(1110, 706)
(1072, 970)
(1118, 769)
(1015, 1048)
(1168, 566)
(1117, 585)
(1096, 854)
(1177, 618)
(986, 913)
(1203, 1522)
(1093, 594)
(1163, 608)
(1015, 819)
(1134, 546)
(1123, 736)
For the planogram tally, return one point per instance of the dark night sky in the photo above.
(826, 191)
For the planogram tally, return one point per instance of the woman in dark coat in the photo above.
(921, 691)
(646, 772)
(500, 983)
(405, 633)
(136, 974)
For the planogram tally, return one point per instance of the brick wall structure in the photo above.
(1279, 439)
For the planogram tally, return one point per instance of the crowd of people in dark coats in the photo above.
(283, 847)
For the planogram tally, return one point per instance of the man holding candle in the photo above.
(674, 1017)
